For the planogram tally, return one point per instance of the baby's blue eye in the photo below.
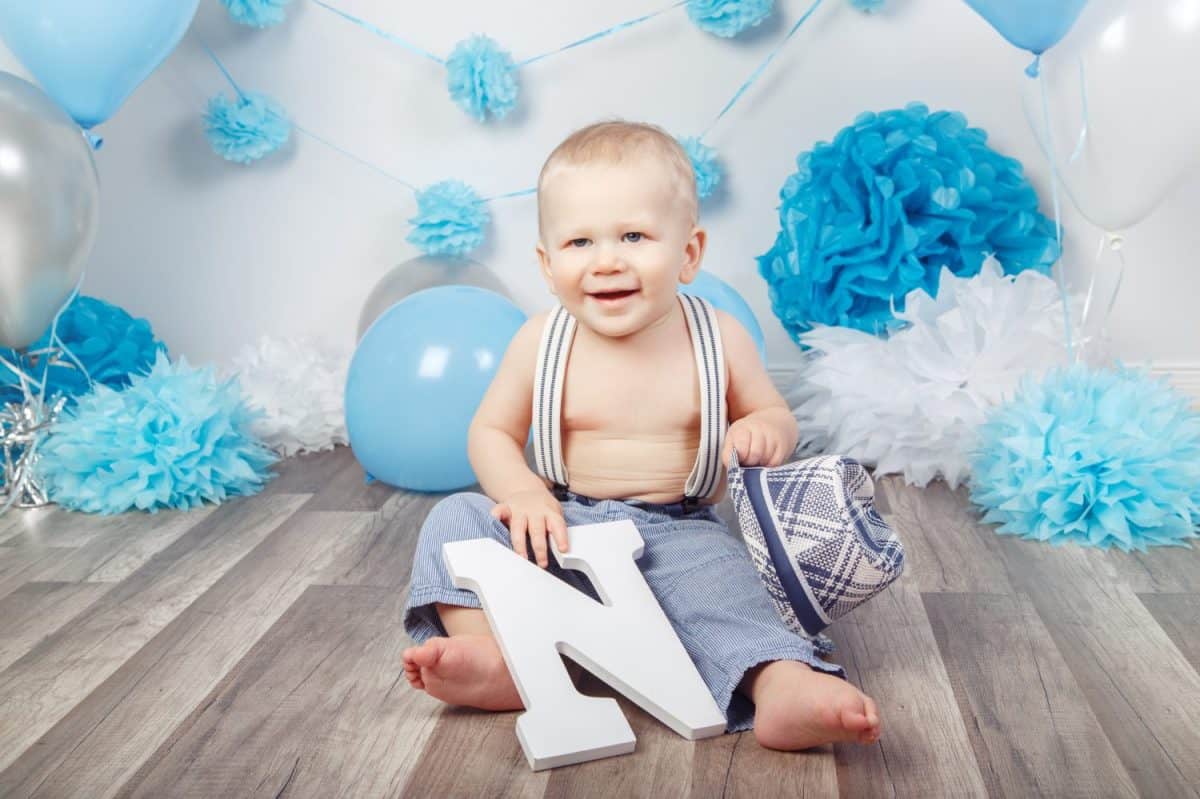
(579, 242)
(633, 238)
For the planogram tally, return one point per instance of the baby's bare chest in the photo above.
(652, 397)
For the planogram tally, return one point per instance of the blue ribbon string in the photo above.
(1048, 147)
(391, 37)
(606, 32)
(754, 76)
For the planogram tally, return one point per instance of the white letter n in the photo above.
(627, 642)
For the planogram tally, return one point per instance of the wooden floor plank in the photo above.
(381, 554)
(1034, 733)
(19, 521)
(348, 490)
(23, 564)
(308, 473)
(35, 610)
(1179, 617)
(319, 706)
(1140, 687)
(42, 686)
(943, 549)
(924, 749)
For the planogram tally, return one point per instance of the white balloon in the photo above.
(1122, 93)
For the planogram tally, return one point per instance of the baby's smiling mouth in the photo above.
(619, 294)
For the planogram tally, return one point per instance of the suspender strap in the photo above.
(710, 366)
(557, 336)
(553, 352)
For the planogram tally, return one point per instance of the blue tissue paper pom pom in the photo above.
(110, 344)
(246, 128)
(897, 196)
(175, 438)
(728, 18)
(704, 164)
(1100, 458)
(867, 6)
(482, 78)
(450, 219)
(256, 13)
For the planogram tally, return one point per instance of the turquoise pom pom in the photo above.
(867, 6)
(246, 128)
(111, 345)
(482, 78)
(704, 164)
(728, 18)
(1099, 458)
(450, 219)
(897, 196)
(256, 13)
(175, 438)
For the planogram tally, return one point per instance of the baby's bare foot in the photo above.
(463, 670)
(797, 708)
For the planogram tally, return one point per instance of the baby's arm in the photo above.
(762, 426)
(496, 448)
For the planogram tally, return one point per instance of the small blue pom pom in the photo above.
(256, 13)
(1100, 458)
(868, 6)
(111, 345)
(704, 164)
(896, 197)
(450, 219)
(246, 128)
(728, 18)
(175, 438)
(482, 78)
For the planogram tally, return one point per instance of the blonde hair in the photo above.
(613, 141)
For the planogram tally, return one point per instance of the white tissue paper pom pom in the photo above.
(912, 403)
(301, 387)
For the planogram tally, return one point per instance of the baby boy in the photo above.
(628, 385)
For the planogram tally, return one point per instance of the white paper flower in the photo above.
(911, 404)
(301, 388)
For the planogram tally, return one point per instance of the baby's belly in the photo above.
(650, 469)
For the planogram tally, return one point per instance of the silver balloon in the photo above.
(49, 210)
(423, 273)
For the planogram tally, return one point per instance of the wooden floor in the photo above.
(253, 649)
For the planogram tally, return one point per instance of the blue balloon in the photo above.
(90, 56)
(416, 380)
(1033, 25)
(724, 297)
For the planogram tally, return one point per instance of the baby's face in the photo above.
(616, 241)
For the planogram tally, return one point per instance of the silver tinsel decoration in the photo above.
(22, 428)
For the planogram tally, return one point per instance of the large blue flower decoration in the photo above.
(256, 13)
(1099, 458)
(247, 127)
(450, 219)
(728, 18)
(897, 196)
(109, 343)
(482, 78)
(704, 164)
(175, 438)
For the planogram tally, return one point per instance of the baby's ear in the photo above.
(544, 263)
(693, 254)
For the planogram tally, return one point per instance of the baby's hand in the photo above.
(533, 513)
(758, 443)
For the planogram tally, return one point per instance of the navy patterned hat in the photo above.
(815, 537)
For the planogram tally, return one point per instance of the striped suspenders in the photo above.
(710, 366)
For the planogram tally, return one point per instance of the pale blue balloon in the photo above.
(89, 56)
(725, 297)
(1033, 25)
(416, 380)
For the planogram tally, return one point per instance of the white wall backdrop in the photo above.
(216, 254)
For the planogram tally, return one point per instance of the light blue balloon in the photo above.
(416, 380)
(724, 297)
(89, 56)
(1033, 25)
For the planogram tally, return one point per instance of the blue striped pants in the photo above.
(698, 570)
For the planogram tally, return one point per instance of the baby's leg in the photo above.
(464, 666)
